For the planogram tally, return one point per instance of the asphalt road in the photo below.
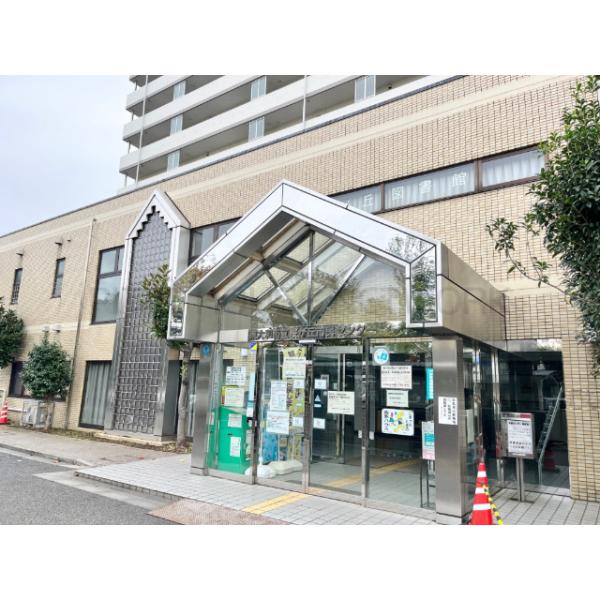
(27, 499)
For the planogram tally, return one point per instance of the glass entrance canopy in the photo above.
(303, 260)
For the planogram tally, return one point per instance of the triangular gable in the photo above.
(165, 207)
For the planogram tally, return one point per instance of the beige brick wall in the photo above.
(468, 118)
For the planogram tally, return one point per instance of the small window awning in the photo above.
(295, 235)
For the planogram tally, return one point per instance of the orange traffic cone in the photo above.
(482, 478)
(4, 413)
(482, 510)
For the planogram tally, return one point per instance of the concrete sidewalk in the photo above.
(171, 478)
(70, 450)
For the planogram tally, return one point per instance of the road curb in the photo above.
(48, 456)
(131, 487)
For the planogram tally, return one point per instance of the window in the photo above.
(59, 273)
(179, 90)
(517, 166)
(16, 389)
(202, 237)
(432, 186)
(367, 199)
(364, 87)
(97, 374)
(256, 128)
(14, 297)
(258, 87)
(106, 306)
(173, 160)
(176, 124)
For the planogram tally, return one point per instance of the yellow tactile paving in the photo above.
(397, 466)
(277, 502)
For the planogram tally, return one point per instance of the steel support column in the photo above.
(451, 502)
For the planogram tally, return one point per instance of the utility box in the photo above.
(34, 413)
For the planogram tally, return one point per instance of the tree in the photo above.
(157, 294)
(566, 213)
(47, 374)
(12, 332)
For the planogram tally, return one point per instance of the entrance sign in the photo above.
(278, 422)
(396, 377)
(233, 396)
(397, 422)
(381, 356)
(278, 395)
(299, 332)
(294, 367)
(235, 376)
(428, 440)
(448, 410)
(398, 398)
(518, 434)
(340, 403)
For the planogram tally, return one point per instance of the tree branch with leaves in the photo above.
(157, 293)
(565, 213)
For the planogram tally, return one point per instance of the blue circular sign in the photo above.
(381, 356)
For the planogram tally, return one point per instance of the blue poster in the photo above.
(429, 383)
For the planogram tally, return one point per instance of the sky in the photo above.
(60, 144)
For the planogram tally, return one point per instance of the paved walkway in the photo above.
(171, 478)
(71, 450)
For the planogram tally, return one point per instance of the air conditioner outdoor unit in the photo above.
(34, 413)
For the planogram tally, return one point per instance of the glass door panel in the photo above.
(336, 449)
(281, 413)
(230, 418)
(401, 398)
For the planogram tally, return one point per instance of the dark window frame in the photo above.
(16, 287)
(15, 372)
(100, 276)
(56, 293)
(85, 386)
(215, 227)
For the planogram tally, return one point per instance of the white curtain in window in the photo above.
(96, 391)
(511, 168)
(422, 188)
(367, 199)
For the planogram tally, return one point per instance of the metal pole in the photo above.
(365, 421)
(520, 480)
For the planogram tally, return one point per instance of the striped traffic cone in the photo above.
(482, 478)
(4, 413)
(482, 510)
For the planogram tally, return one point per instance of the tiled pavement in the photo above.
(171, 478)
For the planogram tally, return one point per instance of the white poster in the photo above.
(447, 410)
(235, 376)
(396, 377)
(233, 396)
(397, 422)
(235, 446)
(278, 395)
(298, 384)
(320, 384)
(428, 440)
(340, 403)
(397, 398)
(294, 367)
(519, 437)
(318, 423)
(278, 422)
(297, 421)
(234, 420)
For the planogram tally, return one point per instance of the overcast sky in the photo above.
(60, 144)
